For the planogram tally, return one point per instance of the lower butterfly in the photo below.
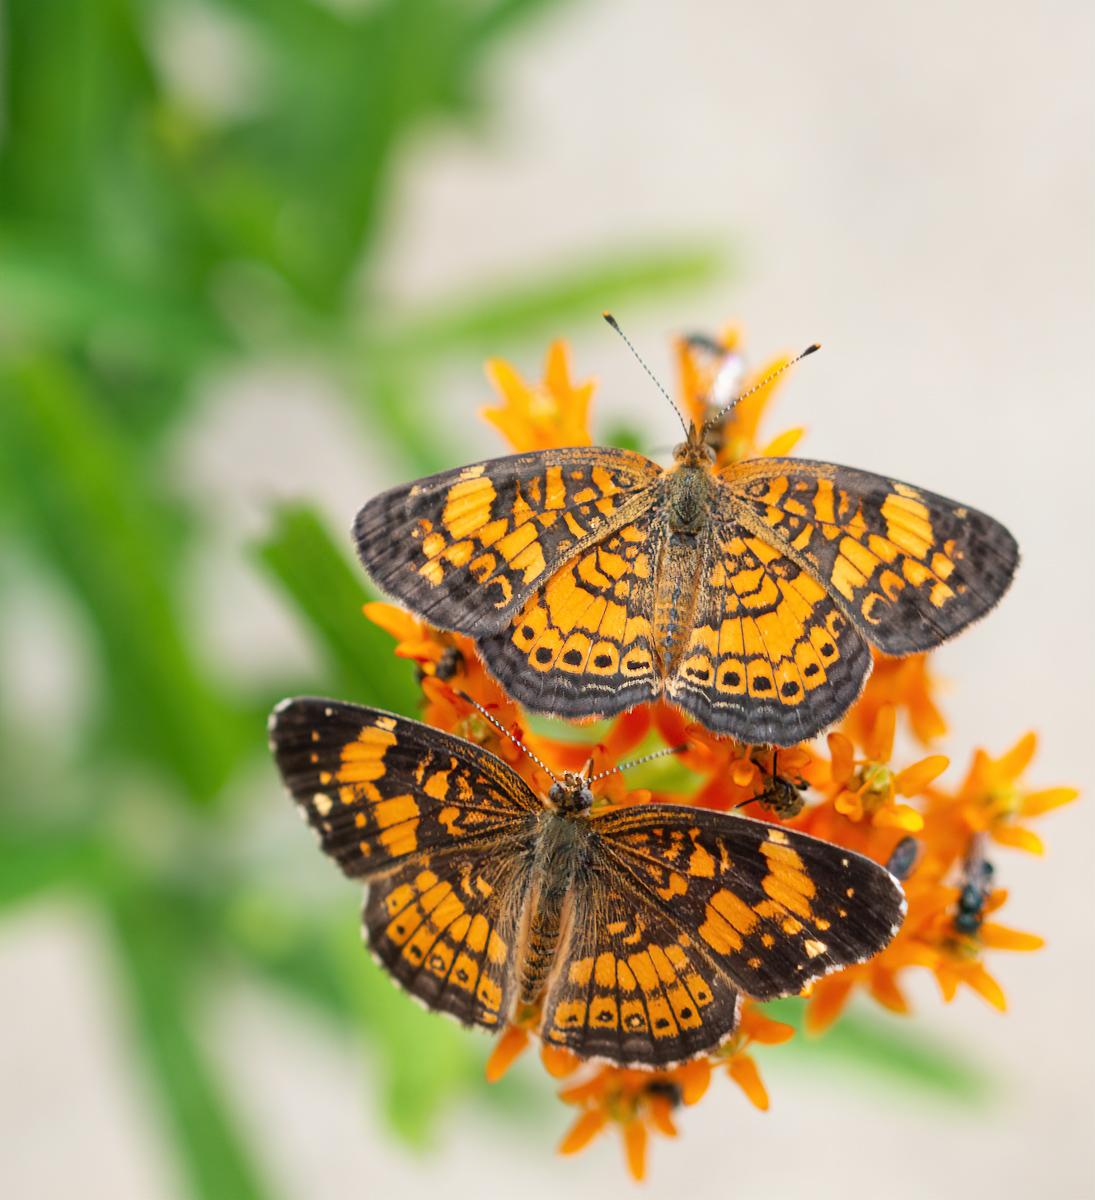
(629, 934)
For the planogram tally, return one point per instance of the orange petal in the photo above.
(635, 1145)
(693, 1078)
(842, 755)
(828, 999)
(913, 780)
(395, 621)
(506, 1049)
(898, 816)
(659, 1109)
(784, 444)
(742, 772)
(885, 990)
(762, 1029)
(1040, 802)
(976, 977)
(559, 1062)
(743, 1071)
(879, 746)
(1015, 762)
(1020, 838)
(999, 937)
(583, 1131)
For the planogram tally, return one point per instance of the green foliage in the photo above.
(146, 238)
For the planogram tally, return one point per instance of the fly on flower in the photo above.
(747, 593)
(628, 934)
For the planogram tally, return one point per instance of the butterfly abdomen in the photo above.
(562, 854)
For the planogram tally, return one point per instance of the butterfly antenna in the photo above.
(612, 321)
(639, 761)
(757, 386)
(506, 733)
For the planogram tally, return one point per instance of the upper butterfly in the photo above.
(593, 579)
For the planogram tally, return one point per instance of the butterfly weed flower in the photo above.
(846, 790)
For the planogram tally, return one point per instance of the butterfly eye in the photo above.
(557, 794)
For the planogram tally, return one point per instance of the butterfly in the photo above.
(592, 579)
(626, 934)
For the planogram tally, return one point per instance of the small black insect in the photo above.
(976, 885)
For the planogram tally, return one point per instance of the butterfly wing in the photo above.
(770, 907)
(439, 829)
(633, 985)
(582, 645)
(908, 568)
(466, 548)
(770, 658)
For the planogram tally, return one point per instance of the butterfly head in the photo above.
(695, 452)
(572, 794)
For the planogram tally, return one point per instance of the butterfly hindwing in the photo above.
(770, 907)
(466, 548)
(634, 986)
(380, 789)
(583, 643)
(769, 658)
(909, 568)
(447, 929)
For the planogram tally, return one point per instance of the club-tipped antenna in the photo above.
(612, 321)
(506, 733)
(639, 761)
(716, 417)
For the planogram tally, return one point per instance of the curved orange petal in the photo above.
(879, 746)
(1017, 836)
(401, 625)
(842, 756)
(976, 977)
(1015, 762)
(743, 1071)
(635, 1145)
(506, 1049)
(659, 1109)
(913, 780)
(783, 444)
(1039, 802)
(762, 1029)
(559, 1063)
(885, 990)
(693, 1078)
(898, 816)
(828, 999)
(583, 1131)
(999, 937)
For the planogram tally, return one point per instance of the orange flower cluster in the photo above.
(936, 844)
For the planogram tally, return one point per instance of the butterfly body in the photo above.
(630, 933)
(592, 580)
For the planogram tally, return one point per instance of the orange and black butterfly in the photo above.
(592, 579)
(626, 934)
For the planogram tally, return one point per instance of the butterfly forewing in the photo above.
(380, 789)
(466, 548)
(770, 907)
(909, 568)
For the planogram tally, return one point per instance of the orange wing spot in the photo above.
(633, 1016)
(791, 926)
(446, 912)
(823, 502)
(547, 650)
(859, 556)
(882, 549)
(437, 785)
(767, 941)
(684, 1009)
(761, 682)
(846, 577)
(482, 568)
(730, 638)
(701, 993)
(701, 865)
(907, 525)
(530, 560)
(780, 630)
(555, 493)
(571, 1014)
(489, 534)
(465, 971)
(942, 565)
(516, 540)
(940, 594)
(477, 934)
(603, 1014)
(625, 976)
(813, 947)
(645, 972)
(661, 1017)
(915, 572)
(662, 965)
(395, 811)
(401, 927)
(789, 684)
(467, 506)
(604, 971)
(489, 994)
(399, 899)
(867, 609)
(449, 817)
(730, 677)
(891, 584)
(433, 545)
(440, 960)
(433, 572)
(497, 950)
(604, 659)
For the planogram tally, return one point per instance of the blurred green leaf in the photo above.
(303, 557)
(89, 510)
(157, 936)
(540, 308)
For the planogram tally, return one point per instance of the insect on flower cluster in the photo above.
(728, 610)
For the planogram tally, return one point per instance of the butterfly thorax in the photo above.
(562, 856)
(688, 485)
